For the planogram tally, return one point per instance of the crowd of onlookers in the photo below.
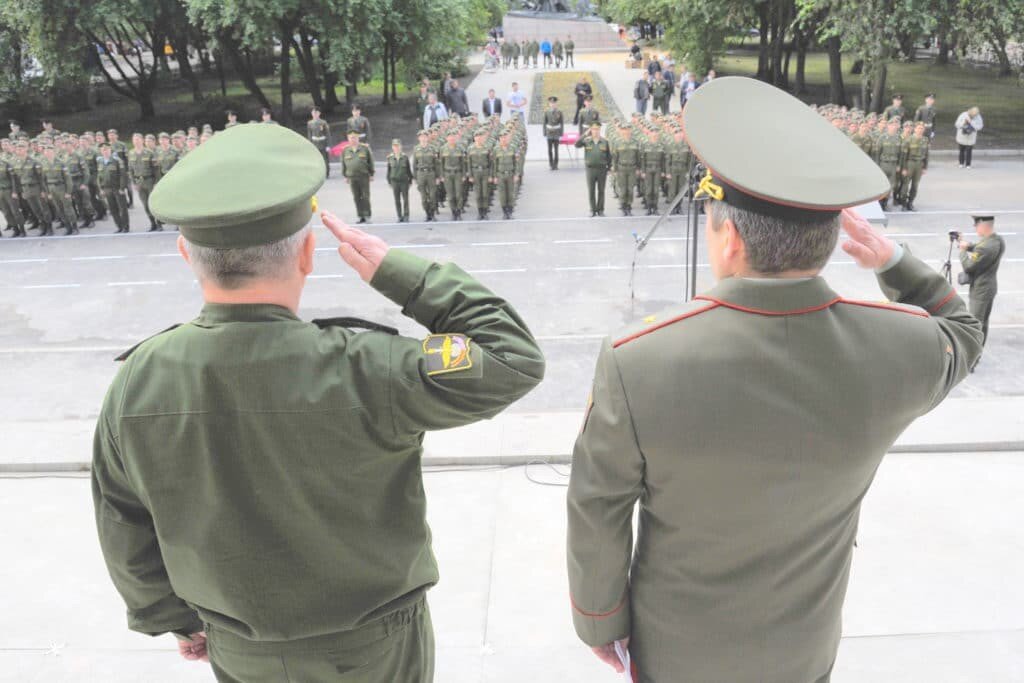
(661, 81)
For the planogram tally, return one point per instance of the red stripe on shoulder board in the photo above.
(888, 307)
(664, 323)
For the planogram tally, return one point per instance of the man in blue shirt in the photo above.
(545, 49)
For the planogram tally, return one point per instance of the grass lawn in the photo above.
(956, 88)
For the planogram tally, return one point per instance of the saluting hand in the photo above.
(194, 650)
(360, 250)
(868, 247)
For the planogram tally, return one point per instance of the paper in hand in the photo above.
(623, 654)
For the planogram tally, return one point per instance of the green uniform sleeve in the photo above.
(607, 479)
(958, 333)
(129, 544)
(369, 155)
(978, 258)
(431, 384)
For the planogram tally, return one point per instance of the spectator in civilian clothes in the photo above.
(491, 105)
(641, 94)
(967, 126)
(545, 50)
(433, 112)
(711, 76)
(516, 102)
(687, 88)
(457, 98)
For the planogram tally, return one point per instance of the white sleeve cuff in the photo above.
(897, 255)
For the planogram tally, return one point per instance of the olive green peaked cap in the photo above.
(767, 152)
(250, 185)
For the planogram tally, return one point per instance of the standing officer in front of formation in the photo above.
(357, 167)
(914, 157)
(626, 158)
(554, 128)
(319, 133)
(980, 261)
(142, 171)
(589, 115)
(597, 158)
(750, 422)
(426, 166)
(360, 124)
(926, 114)
(399, 178)
(112, 179)
(268, 509)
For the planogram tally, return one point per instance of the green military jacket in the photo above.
(262, 474)
(678, 158)
(894, 112)
(596, 153)
(361, 125)
(556, 48)
(589, 115)
(29, 173)
(78, 166)
(554, 124)
(8, 179)
(652, 156)
(506, 162)
(748, 424)
(981, 262)
(142, 166)
(660, 91)
(120, 150)
(111, 175)
(479, 160)
(56, 177)
(425, 162)
(926, 115)
(399, 170)
(889, 148)
(569, 46)
(165, 159)
(626, 156)
(319, 132)
(357, 161)
(454, 161)
(915, 152)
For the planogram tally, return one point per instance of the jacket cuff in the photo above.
(400, 275)
(600, 628)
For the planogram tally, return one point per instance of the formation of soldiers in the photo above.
(897, 142)
(59, 179)
(647, 158)
(459, 158)
(562, 54)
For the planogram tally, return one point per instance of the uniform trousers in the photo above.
(596, 177)
(396, 648)
(360, 185)
(427, 185)
(400, 190)
(981, 308)
(553, 152)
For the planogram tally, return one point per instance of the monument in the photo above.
(551, 19)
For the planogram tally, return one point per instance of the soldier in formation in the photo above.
(319, 133)
(892, 141)
(399, 178)
(650, 159)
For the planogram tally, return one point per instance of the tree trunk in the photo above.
(780, 27)
(185, 70)
(243, 67)
(219, 61)
(878, 91)
(394, 75)
(286, 31)
(330, 76)
(998, 43)
(801, 63)
(304, 53)
(763, 71)
(836, 88)
(386, 60)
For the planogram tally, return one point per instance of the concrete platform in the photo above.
(934, 594)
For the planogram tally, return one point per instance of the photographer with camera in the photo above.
(967, 126)
(980, 262)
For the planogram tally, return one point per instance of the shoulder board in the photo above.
(889, 306)
(124, 356)
(354, 322)
(658, 321)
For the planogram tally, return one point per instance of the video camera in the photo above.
(954, 235)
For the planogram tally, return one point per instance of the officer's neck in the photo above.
(284, 294)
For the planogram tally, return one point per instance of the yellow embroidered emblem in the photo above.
(650, 319)
(447, 353)
(313, 203)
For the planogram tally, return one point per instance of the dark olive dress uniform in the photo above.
(58, 188)
(894, 112)
(597, 157)
(357, 166)
(588, 115)
(427, 168)
(142, 171)
(748, 424)
(9, 194)
(926, 115)
(361, 125)
(981, 263)
(652, 169)
(259, 477)
(165, 159)
(319, 133)
(480, 173)
(661, 95)
(112, 179)
(506, 168)
(399, 178)
(890, 149)
(29, 173)
(81, 198)
(554, 128)
(455, 166)
(570, 48)
(120, 149)
(914, 157)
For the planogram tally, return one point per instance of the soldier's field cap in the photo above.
(422, 132)
(767, 152)
(250, 185)
(395, 141)
(983, 219)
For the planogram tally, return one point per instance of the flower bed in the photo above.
(562, 84)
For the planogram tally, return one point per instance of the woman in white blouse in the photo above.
(967, 126)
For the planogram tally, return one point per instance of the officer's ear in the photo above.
(306, 254)
(183, 250)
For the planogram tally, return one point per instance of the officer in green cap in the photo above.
(399, 178)
(357, 167)
(120, 150)
(890, 151)
(554, 128)
(112, 179)
(28, 174)
(597, 158)
(10, 204)
(294, 447)
(166, 157)
(455, 167)
(426, 167)
(319, 133)
(142, 172)
(507, 166)
(749, 422)
(980, 261)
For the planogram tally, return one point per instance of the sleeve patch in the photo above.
(446, 353)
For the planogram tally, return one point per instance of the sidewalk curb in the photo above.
(430, 461)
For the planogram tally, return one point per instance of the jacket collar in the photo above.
(773, 297)
(215, 314)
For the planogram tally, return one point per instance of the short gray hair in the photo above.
(776, 245)
(233, 268)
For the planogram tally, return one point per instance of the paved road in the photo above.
(73, 302)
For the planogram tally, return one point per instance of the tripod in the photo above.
(947, 267)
